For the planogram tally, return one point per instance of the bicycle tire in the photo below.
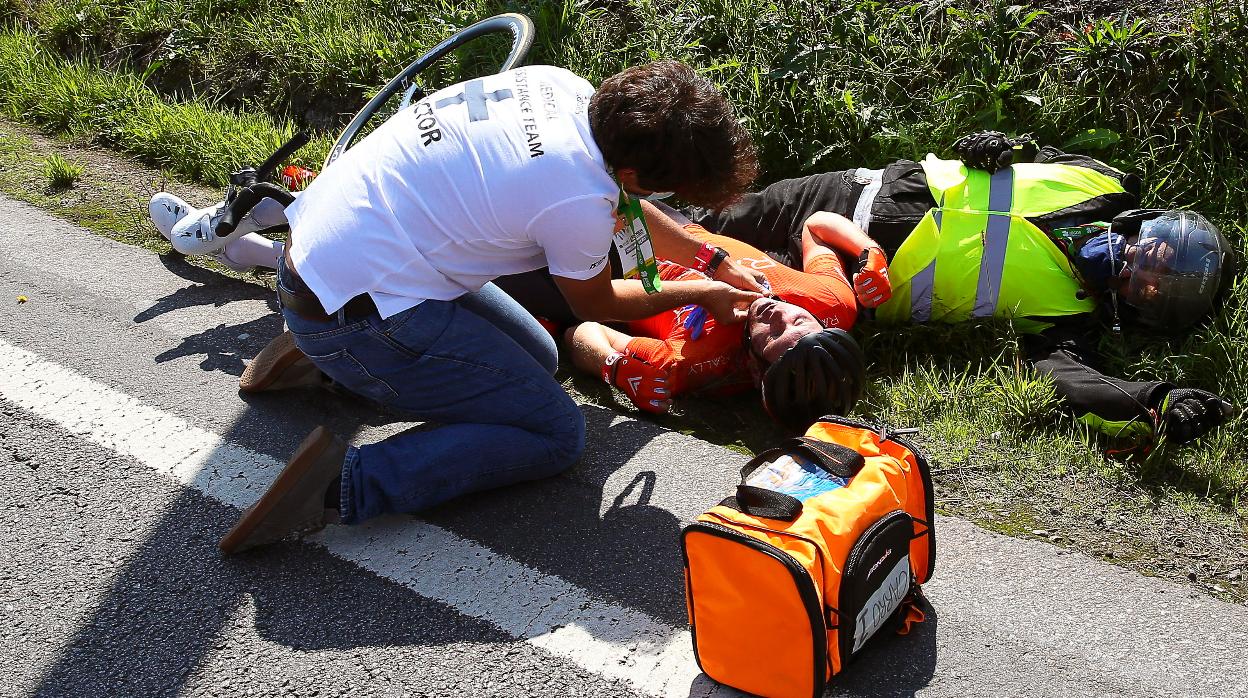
(522, 32)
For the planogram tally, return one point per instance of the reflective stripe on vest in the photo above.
(871, 179)
(991, 266)
(996, 237)
(921, 293)
(977, 254)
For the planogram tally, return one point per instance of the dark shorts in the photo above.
(772, 219)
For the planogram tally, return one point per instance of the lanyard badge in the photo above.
(632, 242)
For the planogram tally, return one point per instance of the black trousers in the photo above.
(772, 219)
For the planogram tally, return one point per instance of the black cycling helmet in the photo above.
(824, 373)
(1180, 267)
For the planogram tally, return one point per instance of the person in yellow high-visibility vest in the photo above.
(1054, 242)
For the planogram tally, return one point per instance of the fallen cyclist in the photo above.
(779, 349)
(1052, 241)
(386, 283)
(794, 345)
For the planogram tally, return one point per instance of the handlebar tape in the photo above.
(246, 199)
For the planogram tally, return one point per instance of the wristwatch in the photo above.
(720, 255)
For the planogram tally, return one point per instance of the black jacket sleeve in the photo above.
(1120, 408)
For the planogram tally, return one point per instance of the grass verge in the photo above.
(110, 195)
(191, 140)
(1158, 88)
(95, 203)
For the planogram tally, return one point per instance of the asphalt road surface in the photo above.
(127, 452)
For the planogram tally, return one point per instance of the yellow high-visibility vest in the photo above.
(975, 254)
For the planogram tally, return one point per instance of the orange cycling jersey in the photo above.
(716, 361)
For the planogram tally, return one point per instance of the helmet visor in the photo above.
(1175, 269)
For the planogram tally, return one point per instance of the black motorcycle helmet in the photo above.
(824, 373)
(1180, 267)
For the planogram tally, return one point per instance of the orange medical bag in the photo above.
(825, 543)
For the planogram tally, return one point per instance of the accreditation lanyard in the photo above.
(632, 242)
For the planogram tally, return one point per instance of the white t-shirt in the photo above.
(494, 176)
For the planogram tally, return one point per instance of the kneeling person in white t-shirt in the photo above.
(386, 282)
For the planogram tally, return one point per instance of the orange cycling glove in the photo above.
(871, 284)
(640, 380)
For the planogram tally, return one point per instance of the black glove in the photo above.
(992, 150)
(1187, 413)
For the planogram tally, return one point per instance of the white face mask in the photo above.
(652, 196)
(657, 196)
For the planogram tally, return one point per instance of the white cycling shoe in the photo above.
(166, 210)
(196, 233)
(191, 230)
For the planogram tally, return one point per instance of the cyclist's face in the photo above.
(1146, 263)
(775, 326)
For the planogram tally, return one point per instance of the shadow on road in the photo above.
(168, 608)
(210, 288)
(892, 666)
(225, 346)
(219, 345)
(628, 553)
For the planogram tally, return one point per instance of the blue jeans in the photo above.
(480, 366)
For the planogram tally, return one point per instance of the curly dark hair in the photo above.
(677, 130)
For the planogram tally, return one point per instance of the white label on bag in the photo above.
(883, 603)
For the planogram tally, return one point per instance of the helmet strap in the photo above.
(1113, 301)
(747, 348)
(1113, 288)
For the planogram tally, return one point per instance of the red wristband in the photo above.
(702, 260)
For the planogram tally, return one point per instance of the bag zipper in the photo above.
(805, 589)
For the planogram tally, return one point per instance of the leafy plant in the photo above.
(1108, 52)
(1022, 393)
(60, 172)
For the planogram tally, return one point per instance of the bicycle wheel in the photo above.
(521, 29)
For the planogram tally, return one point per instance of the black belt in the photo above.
(308, 306)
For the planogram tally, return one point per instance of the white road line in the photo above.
(539, 608)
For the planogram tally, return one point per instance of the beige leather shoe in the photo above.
(279, 366)
(295, 502)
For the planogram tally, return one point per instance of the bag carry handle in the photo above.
(834, 458)
(765, 504)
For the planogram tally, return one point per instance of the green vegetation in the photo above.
(109, 197)
(822, 84)
(200, 86)
(191, 139)
(60, 172)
